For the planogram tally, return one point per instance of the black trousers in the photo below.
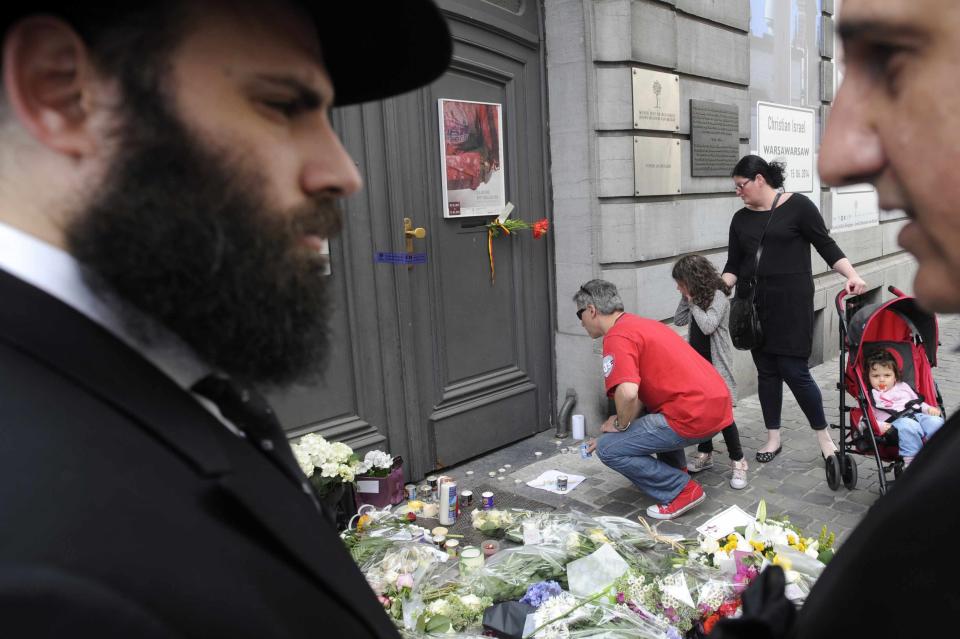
(731, 437)
(772, 372)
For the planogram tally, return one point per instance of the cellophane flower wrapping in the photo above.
(668, 589)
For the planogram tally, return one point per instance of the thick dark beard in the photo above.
(182, 233)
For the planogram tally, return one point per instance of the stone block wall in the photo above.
(601, 228)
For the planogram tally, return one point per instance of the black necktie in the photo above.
(251, 413)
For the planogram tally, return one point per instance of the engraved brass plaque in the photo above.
(656, 100)
(656, 165)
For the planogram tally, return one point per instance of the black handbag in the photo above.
(746, 333)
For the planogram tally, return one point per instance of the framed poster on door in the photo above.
(471, 148)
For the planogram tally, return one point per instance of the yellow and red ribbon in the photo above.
(492, 230)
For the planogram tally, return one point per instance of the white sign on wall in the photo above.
(785, 134)
(855, 206)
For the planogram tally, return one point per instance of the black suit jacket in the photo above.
(127, 510)
(899, 571)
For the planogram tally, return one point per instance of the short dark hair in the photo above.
(881, 357)
(750, 166)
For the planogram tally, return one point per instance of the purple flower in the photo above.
(540, 592)
(620, 598)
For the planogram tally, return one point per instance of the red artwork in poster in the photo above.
(471, 143)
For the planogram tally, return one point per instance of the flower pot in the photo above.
(337, 505)
(381, 491)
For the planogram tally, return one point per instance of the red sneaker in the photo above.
(691, 495)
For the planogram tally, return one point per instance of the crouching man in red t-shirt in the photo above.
(667, 397)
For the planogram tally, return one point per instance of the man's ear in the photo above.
(47, 77)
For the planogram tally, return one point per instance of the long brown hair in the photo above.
(700, 277)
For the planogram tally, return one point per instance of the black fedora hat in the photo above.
(372, 50)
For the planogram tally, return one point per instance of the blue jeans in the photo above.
(630, 453)
(912, 429)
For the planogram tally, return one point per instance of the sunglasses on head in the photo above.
(580, 312)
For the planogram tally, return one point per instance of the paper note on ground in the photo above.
(724, 523)
(548, 481)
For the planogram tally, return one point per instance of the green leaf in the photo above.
(825, 555)
(762, 511)
(438, 624)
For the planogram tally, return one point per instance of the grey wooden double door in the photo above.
(433, 361)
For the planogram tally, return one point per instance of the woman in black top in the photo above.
(784, 290)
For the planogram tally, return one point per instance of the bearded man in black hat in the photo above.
(168, 176)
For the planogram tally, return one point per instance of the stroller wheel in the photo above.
(897, 469)
(832, 467)
(848, 470)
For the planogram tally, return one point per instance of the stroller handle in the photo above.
(839, 300)
(896, 291)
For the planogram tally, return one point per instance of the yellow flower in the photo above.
(363, 521)
(731, 537)
(791, 540)
(758, 546)
(783, 562)
(596, 535)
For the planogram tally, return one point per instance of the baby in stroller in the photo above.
(897, 403)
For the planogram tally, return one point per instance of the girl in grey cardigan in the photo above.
(703, 297)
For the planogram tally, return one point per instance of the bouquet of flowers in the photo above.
(580, 577)
(328, 465)
(512, 225)
(563, 615)
(494, 523)
(509, 226)
(507, 574)
(454, 612)
(768, 539)
(378, 463)
(749, 549)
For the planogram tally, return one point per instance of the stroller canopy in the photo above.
(897, 319)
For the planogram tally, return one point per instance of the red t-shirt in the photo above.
(673, 378)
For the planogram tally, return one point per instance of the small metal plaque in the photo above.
(656, 165)
(715, 138)
(656, 100)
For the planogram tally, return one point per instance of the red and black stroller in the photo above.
(911, 335)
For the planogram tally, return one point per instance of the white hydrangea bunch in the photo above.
(378, 463)
(335, 460)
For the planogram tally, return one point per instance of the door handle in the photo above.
(409, 232)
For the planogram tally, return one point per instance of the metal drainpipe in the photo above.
(563, 420)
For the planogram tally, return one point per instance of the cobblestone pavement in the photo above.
(793, 484)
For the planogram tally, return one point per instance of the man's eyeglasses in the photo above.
(580, 314)
(738, 186)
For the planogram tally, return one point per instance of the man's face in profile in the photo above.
(221, 189)
(896, 123)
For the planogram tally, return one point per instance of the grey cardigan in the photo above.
(714, 322)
